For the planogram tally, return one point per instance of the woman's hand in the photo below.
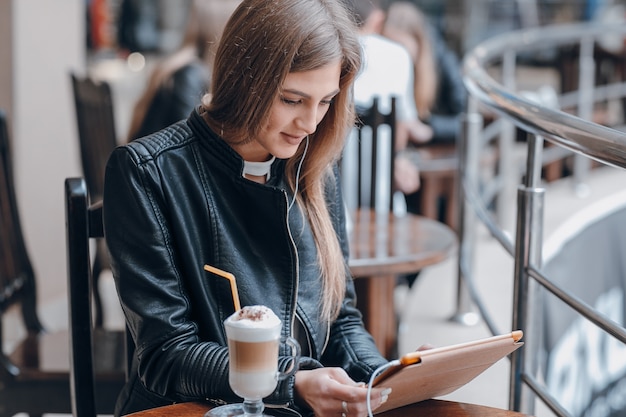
(419, 132)
(331, 392)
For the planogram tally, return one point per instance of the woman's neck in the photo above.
(258, 171)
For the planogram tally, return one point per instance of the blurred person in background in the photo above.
(440, 95)
(138, 25)
(177, 83)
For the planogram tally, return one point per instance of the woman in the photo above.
(248, 184)
(177, 83)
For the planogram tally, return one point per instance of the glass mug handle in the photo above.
(295, 358)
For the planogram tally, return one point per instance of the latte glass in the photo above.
(253, 363)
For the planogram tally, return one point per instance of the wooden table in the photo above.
(383, 247)
(429, 408)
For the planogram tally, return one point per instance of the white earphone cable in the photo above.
(295, 191)
(375, 374)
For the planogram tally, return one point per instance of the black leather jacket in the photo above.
(176, 200)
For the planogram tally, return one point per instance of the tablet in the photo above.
(431, 373)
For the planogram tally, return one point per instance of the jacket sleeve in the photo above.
(350, 346)
(173, 362)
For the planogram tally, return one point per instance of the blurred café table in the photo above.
(383, 246)
(428, 408)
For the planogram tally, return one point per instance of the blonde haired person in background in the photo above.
(440, 95)
(177, 83)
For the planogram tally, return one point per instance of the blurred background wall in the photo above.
(40, 42)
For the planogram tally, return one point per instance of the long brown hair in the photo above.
(205, 22)
(263, 42)
(405, 18)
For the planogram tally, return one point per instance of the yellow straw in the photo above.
(233, 283)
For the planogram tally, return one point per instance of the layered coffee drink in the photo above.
(253, 339)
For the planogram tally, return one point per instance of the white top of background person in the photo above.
(387, 66)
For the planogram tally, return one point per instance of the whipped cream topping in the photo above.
(256, 316)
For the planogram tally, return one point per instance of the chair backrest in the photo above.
(97, 137)
(368, 159)
(96, 129)
(84, 222)
(17, 278)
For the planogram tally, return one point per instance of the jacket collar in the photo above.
(222, 151)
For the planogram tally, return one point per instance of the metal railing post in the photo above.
(528, 247)
(507, 169)
(469, 156)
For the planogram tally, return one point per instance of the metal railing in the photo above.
(573, 132)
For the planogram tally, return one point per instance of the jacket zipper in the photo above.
(295, 251)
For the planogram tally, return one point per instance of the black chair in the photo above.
(32, 379)
(368, 177)
(96, 132)
(98, 357)
(35, 374)
(368, 186)
(367, 167)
